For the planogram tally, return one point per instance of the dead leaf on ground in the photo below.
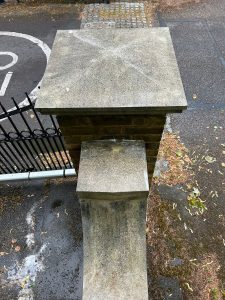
(3, 253)
(194, 97)
(17, 248)
(179, 153)
(210, 159)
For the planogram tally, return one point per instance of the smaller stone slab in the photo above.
(112, 71)
(111, 167)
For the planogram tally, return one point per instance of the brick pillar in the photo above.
(112, 84)
(148, 128)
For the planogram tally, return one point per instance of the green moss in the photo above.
(214, 294)
(196, 202)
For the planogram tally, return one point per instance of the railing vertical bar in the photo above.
(2, 170)
(32, 134)
(61, 141)
(59, 151)
(43, 154)
(11, 158)
(15, 154)
(65, 152)
(3, 163)
(42, 128)
(16, 149)
(38, 154)
(53, 151)
(23, 142)
(46, 149)
(7, 161)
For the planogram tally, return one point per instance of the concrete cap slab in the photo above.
(107, 71)
(112, 167)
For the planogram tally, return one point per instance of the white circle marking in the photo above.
(12, 63)
(44, 47)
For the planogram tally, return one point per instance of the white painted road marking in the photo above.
(5, 83)
(9, 74)
(44, 47)
(12, 63)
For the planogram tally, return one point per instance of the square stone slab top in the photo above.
(112, 167)
(107, 71)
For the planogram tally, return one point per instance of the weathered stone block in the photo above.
(113, 188)
(112, 71)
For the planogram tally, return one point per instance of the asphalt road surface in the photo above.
(25, 46)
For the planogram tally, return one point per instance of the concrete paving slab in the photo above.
(217, 29)
(201, 67)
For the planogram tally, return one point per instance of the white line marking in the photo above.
(44, 47)
(12, 63)
(30, 240)
(24, 274)
(5, 83)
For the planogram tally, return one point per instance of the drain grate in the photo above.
(114, 15)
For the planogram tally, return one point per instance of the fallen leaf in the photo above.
(17, 248)
(25, 281)
(3, 253)
(188, 286)
(210, 159)
(179, 153)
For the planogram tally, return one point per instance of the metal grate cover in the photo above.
(114, 15)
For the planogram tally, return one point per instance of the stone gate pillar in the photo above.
(116, 86)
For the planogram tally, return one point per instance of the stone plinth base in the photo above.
(113, 189)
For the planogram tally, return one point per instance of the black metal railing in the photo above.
(26, 144)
